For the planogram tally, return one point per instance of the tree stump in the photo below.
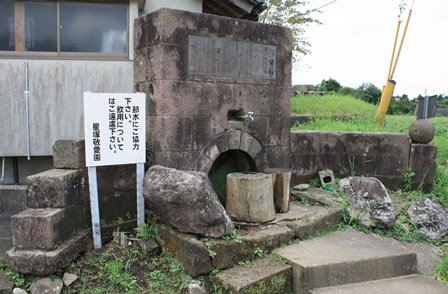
(281, 179)
(249, 197)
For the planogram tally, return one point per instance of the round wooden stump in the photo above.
(281, 179)
(249, 197)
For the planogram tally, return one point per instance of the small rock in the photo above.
(196, 288)
(69, 279)
(51, 285)
(371, 203)
(6, 284)
(430, 218)
(19, 291)
(301, 187)
(150, 244)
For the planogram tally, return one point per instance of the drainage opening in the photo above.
(229, 162)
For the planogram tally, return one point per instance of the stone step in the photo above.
(412, 284)
(264, 275)
(301, 220)
(12, 199)
(57, 188)
(46, 228)
(345, 257)
(47, 262)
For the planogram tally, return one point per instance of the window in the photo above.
(84, 26)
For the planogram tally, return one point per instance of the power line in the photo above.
(322, 6)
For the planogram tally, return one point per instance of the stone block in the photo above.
(304, 142)
(160, 62)
(279, 132)
(234, 37)
(188, 249)
(423, 163)
(174, 133)
(69, 154)
(234, 139)
(44, 263)
(190, 98)
(265, 99)
(117, 178)
(57, 188)
(118, 206)
(279, 156)
(184, 160)
(261, 276)
(229, 253)
(46, 228)
(12, 199)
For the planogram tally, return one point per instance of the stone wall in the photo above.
(195, 68)
(383, 155)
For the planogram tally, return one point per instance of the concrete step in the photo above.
(264, 275)
(412, 284)
(345, 257)
(12, 199)
(301, 220)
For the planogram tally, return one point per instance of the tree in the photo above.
(291, 14)
(329, 85)
(369, 93)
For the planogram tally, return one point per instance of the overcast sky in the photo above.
(354, 45)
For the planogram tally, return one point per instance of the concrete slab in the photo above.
(345, 257)
(260, 276)
(412, 284)
(307, 220)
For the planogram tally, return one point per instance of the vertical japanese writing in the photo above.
(112, 125)
(135, 127)
(96, 142)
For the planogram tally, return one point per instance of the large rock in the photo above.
(371, 203)
(430, 218)
(186, 200)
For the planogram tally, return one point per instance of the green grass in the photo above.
(331, 105)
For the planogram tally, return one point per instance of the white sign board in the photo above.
(115, 129)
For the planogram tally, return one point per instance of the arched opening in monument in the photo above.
(229, 162)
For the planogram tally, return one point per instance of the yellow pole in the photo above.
(386, 97)
(393, 51)
(388, 90)
(401, 45)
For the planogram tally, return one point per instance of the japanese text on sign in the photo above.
(114, 128)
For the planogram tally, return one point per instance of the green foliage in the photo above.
(291, 14)
(146, 232)
(329, 85)
(110, 273)
(276, 257)
(442, 267)
(259, 252)
(234, 236)
(20, 280)
(208, 245)
(169, 277)
(368, 92)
